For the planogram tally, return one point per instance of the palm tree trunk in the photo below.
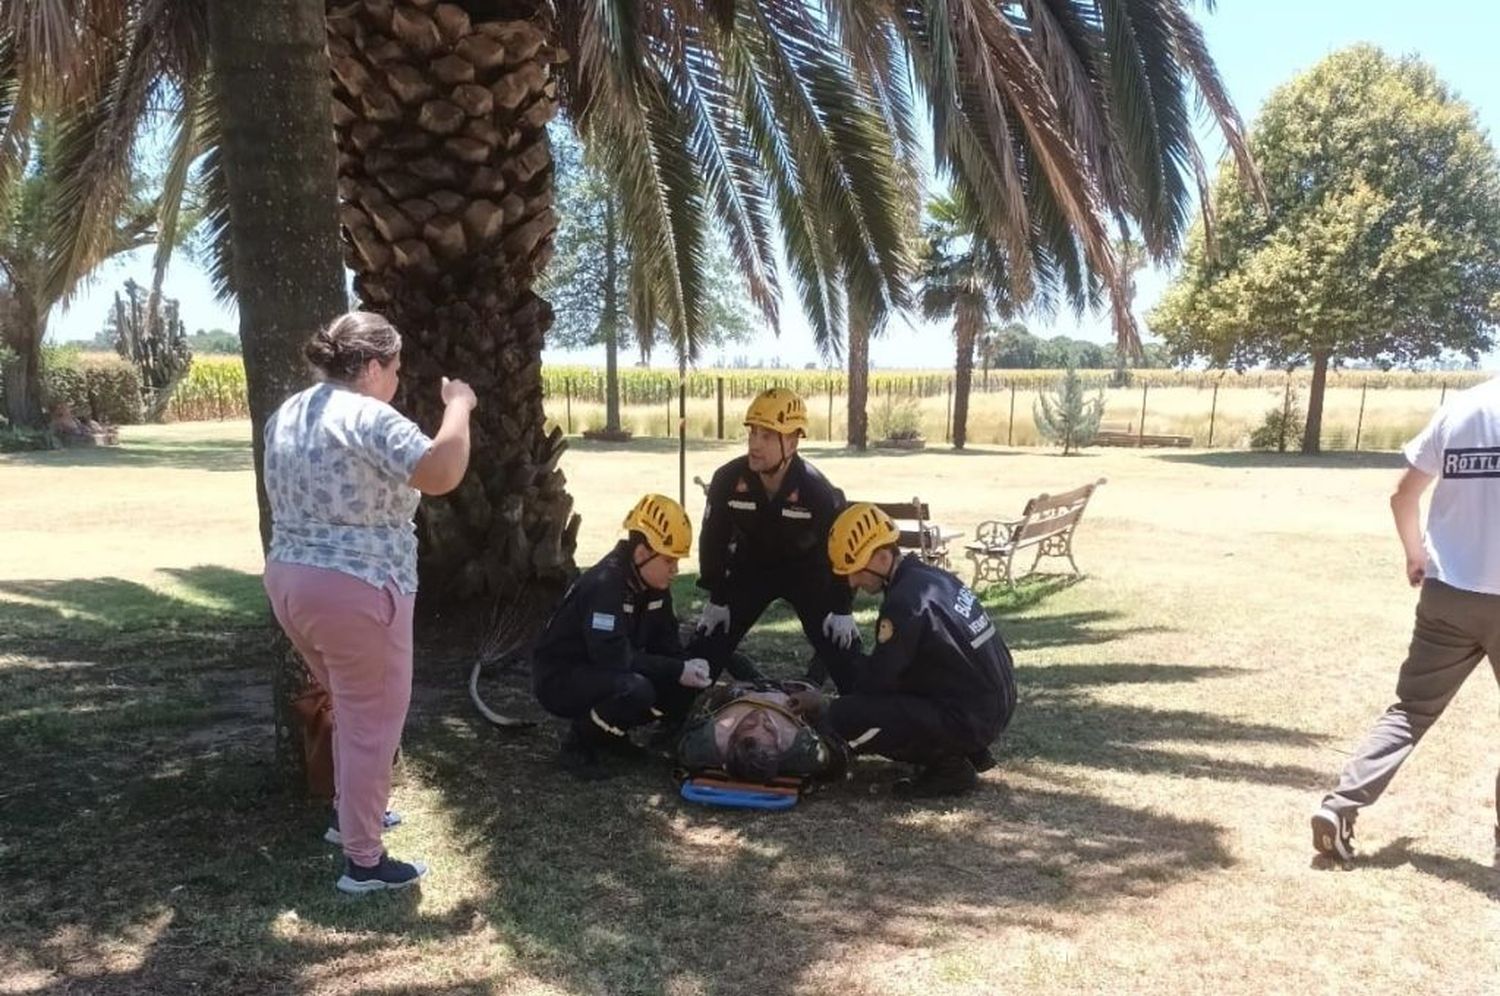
(23, 375)
(859, 379)
(446, 184)
(1312, 438)
(611, 320)
(272, 80)
(966, 331)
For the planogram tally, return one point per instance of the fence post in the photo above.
(1010, 431)
(1444, 396)
(1360, 425)
(568, 394)
(1140, 432)
(948, 419)
(1212, 412)
(669, 414)
(721, 407)
(1286, 413)
(830, 408)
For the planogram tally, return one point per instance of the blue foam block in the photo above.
(711, 795)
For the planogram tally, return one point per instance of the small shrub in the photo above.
(26, 440)
(113, 386)
(898, 419)
(1066, 416)
(1281, 429)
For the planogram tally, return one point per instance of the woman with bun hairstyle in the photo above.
(343, 471)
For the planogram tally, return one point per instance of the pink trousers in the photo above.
(356, 640)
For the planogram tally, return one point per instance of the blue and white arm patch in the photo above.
(604, 622)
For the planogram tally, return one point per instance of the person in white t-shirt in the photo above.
(1457, 565)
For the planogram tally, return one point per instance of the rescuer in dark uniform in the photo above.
(765, 530)
(611, 651)
(939, 686)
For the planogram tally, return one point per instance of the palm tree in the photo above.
(28, 291)
(794, 119)
(964, 278)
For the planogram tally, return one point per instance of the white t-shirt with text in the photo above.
(1461, 448)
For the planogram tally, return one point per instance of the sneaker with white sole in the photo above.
(388, 873)
(1333, 834)
(388, 821)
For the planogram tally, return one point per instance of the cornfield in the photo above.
(214, 388)
(644, 387)
(1371, 409)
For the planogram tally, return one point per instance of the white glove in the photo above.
(840, 629)
(695, 674)
(712, 617)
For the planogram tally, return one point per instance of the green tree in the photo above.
(1012, 347)
(29, 285)
(965, 279)
(214, 342)
(1066, 416)
(587, 281)
(1378, 239)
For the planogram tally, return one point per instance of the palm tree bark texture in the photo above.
(445, 184)
(278, 159)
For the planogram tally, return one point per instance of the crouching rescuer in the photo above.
(939, 686)
(610, 658)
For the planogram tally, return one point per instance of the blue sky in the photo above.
(1258, 45)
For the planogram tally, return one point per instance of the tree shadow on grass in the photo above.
(1247, 460)
(196, 600)
(195, 852)
(219, 455)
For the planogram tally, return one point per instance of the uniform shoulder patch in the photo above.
(884, 630)
(604, 622)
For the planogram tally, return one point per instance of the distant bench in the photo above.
(1046, 525)
(1124, 434)
(919, 534)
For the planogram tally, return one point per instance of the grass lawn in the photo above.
(1181, 710)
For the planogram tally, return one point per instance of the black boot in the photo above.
(982, 759)
(578, 758)
(947, 776)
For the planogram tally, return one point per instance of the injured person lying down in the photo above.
(759, 730)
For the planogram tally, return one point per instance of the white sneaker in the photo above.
(389, 821)
(1333, 834)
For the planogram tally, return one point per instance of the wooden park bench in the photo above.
(1124, 434)
(1046, 525)
(919, 534)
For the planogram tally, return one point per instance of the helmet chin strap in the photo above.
(781, 464)
(890, 572)
(637, 566)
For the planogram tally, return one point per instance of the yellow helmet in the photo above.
(857, 533)
(665, 525)
(778, 409)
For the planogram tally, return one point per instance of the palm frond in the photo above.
(809, 253)
(95, 153)
(186, 146)
(16, 118)
(216, 252)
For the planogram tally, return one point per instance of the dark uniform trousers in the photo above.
(758, 547)
(804, 586)
(940, 681)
